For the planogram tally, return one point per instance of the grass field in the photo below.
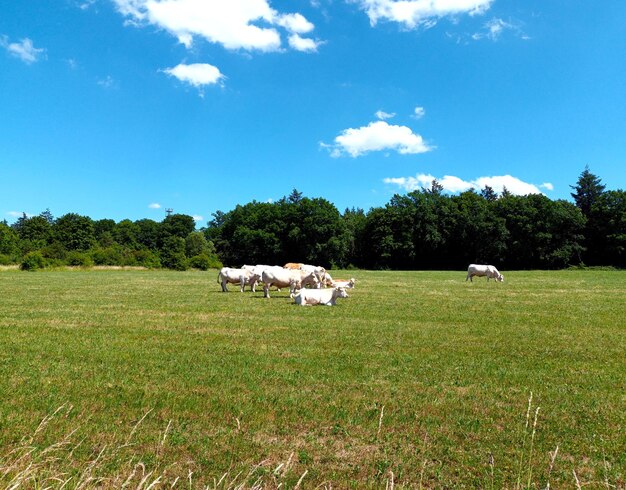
(419, 379)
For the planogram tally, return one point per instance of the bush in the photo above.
(79, 259)
(5, 259)
(148, 259)
(107, 256)
(54, 251)
(33, 261)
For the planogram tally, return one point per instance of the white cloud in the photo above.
(16, 214)
(235, 24)
(382, 115)
(86, 4)
(24, 50)
(547, 186)
(494, 28)
(108, 82)
(197, 217)
(415, 13)
(454, 184)
(196, 74)
(296, 23)
(302, 43)
(419, 112)
(377, 136)
(154, 205)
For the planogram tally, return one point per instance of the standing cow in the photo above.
(483, 270)
(282, 278)
(243, 277)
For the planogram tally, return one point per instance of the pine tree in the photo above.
(588, 190)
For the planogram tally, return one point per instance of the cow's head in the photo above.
(341, 293)
(500, 278)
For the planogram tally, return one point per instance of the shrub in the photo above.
(33, 261)
(79, 259)
(54, 251)
(148, 259)
(107, 256)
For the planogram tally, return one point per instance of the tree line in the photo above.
(423, 229)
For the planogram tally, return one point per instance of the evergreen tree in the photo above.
(587, 191)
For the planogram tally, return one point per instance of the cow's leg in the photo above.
(266, 290)
(224, 288)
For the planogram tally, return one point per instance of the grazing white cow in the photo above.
(242, 277)
(256, 269)
(319, 271)
(328, 280)
(310, 297)
(483, 270)
(282, 278)
(344, 283)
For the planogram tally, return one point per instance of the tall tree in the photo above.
(587, 191)
(74, 232)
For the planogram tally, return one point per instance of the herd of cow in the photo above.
(297, 276)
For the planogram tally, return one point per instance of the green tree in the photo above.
(9, 241)
(587, 191)
(196, 244)
(74, 232)
(606, 228)
(126, 234)
(148, 233)
(34, 232)
(173, 253)
(175, 225)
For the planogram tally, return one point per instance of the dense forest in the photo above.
(424, 229)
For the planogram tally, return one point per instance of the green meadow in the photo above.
(153, 379)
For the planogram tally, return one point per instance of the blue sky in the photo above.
(123, 108)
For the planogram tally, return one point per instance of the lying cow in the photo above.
(343, 283)
(310, 297)
(282, 278)
(243, 277)
(483, 270)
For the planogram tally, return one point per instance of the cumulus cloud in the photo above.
(235, 24)
(302, 43)
(154, 205)
(382, 115)
(377, 136)
(197, 217)
(196, 74)
(454, 184)
(419, 112)
(24, 50)
(416, 13)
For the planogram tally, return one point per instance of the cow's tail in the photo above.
(219, 277)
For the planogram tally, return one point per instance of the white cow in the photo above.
(318, 270)
(243, 277)
(327, 297)
(282, 278)
(483, 270)
(343, 283)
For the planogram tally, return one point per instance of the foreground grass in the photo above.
(417, 379)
